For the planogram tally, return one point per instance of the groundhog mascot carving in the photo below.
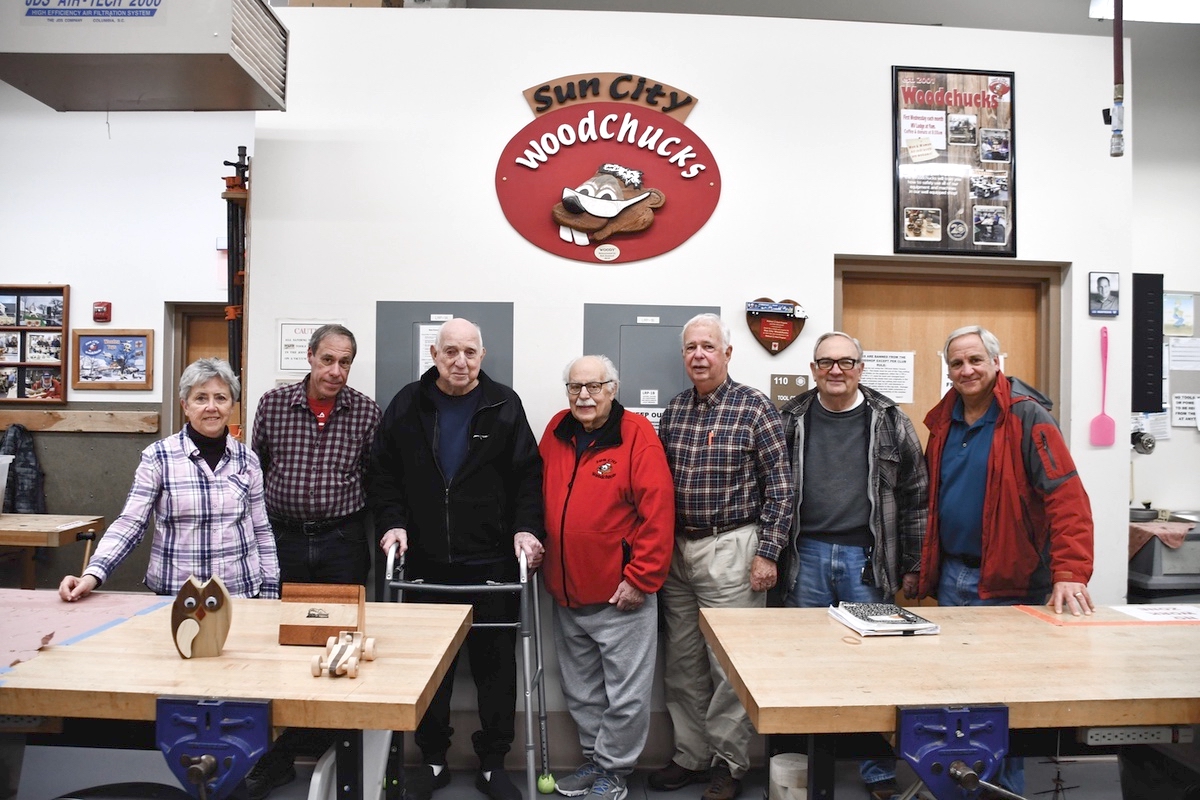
(611, 201)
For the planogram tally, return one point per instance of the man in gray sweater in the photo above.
(861, 496)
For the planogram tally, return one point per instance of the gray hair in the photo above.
(990, 343)
(202, 371)
(610, 370)
(708, 319)
(478, 331)
(857, 344)
(325, 331)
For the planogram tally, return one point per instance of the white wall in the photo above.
(1167, 165)
(378, 184)
(124, 207)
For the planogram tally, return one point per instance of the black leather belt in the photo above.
(312, 527)
(690, 532)
(971, 561)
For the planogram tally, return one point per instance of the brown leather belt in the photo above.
(689, 532)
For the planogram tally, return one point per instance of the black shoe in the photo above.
(421, 783)
(273, 770)
(722, 786)
(673, 777)
(500, 787)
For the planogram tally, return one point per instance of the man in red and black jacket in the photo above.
(1009, 520)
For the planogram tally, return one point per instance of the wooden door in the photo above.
(206, 335)
(906, 306)
(891, 314)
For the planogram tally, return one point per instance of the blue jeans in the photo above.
(340, 555)
(958, 585)
(829, 574)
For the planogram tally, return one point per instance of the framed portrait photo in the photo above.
(112, 359)
(1104, 294)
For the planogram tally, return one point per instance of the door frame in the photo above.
(1048, 276)
(174, 347)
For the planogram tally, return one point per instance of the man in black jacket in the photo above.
(456, 483)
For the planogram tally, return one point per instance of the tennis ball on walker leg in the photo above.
(545, 783)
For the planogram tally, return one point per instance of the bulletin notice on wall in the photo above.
(891, 374)
(955, 161)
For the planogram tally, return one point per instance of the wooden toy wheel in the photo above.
(330, 643)
(352, 667)
(316, 666)
(369, 649)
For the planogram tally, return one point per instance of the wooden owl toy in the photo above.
(200, 618)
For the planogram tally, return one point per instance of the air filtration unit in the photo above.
(145, 55)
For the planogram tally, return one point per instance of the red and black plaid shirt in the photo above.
(314, 473)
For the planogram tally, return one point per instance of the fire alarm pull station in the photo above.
(101, 311)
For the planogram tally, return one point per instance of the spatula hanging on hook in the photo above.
(1104, 427)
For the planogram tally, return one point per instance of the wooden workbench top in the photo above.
(45, 530)
(119, 672)
(799, 671)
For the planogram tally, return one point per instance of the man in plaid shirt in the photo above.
(314, 441)
(733, 508)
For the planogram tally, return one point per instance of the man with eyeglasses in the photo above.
(861, 499)
(456, 483)
(610, 524)
(733, 508)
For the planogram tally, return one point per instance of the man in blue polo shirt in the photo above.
(1009, 520)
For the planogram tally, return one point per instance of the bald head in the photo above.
(458, 355)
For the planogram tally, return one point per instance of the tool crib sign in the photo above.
(607, 171)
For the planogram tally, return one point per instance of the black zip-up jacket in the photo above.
(496, 493)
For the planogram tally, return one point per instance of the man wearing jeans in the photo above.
(733, 506)
(861, 495)
(1009, 520)
(314, 441)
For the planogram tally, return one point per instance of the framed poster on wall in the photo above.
(954, 153)
(113, 359)
(33, 330)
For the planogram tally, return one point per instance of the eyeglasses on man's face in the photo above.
(844, 364)
(593, 387)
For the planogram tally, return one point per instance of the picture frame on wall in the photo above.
(1104, 294)
(954, 153)
(113, 359)
(33, 331)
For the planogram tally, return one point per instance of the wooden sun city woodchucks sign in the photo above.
(607, 171)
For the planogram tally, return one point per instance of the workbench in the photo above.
(799, 671)
(43, 530)
(120, 671)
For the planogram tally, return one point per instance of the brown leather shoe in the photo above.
(673, 776)
(722, 786)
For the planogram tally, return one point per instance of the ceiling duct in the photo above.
(146, 55)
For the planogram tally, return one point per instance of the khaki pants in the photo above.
(709, 720)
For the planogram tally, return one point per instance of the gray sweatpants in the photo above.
(606, 657)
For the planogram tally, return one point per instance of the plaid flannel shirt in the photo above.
(310, 473)
(206, 522)
(729, 458)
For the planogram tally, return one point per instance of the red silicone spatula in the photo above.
(1104, 427)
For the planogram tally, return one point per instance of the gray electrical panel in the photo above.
(403, 332)
(645, 342)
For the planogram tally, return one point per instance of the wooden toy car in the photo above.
(342, 654)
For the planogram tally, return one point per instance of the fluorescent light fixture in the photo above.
(1148, 10)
